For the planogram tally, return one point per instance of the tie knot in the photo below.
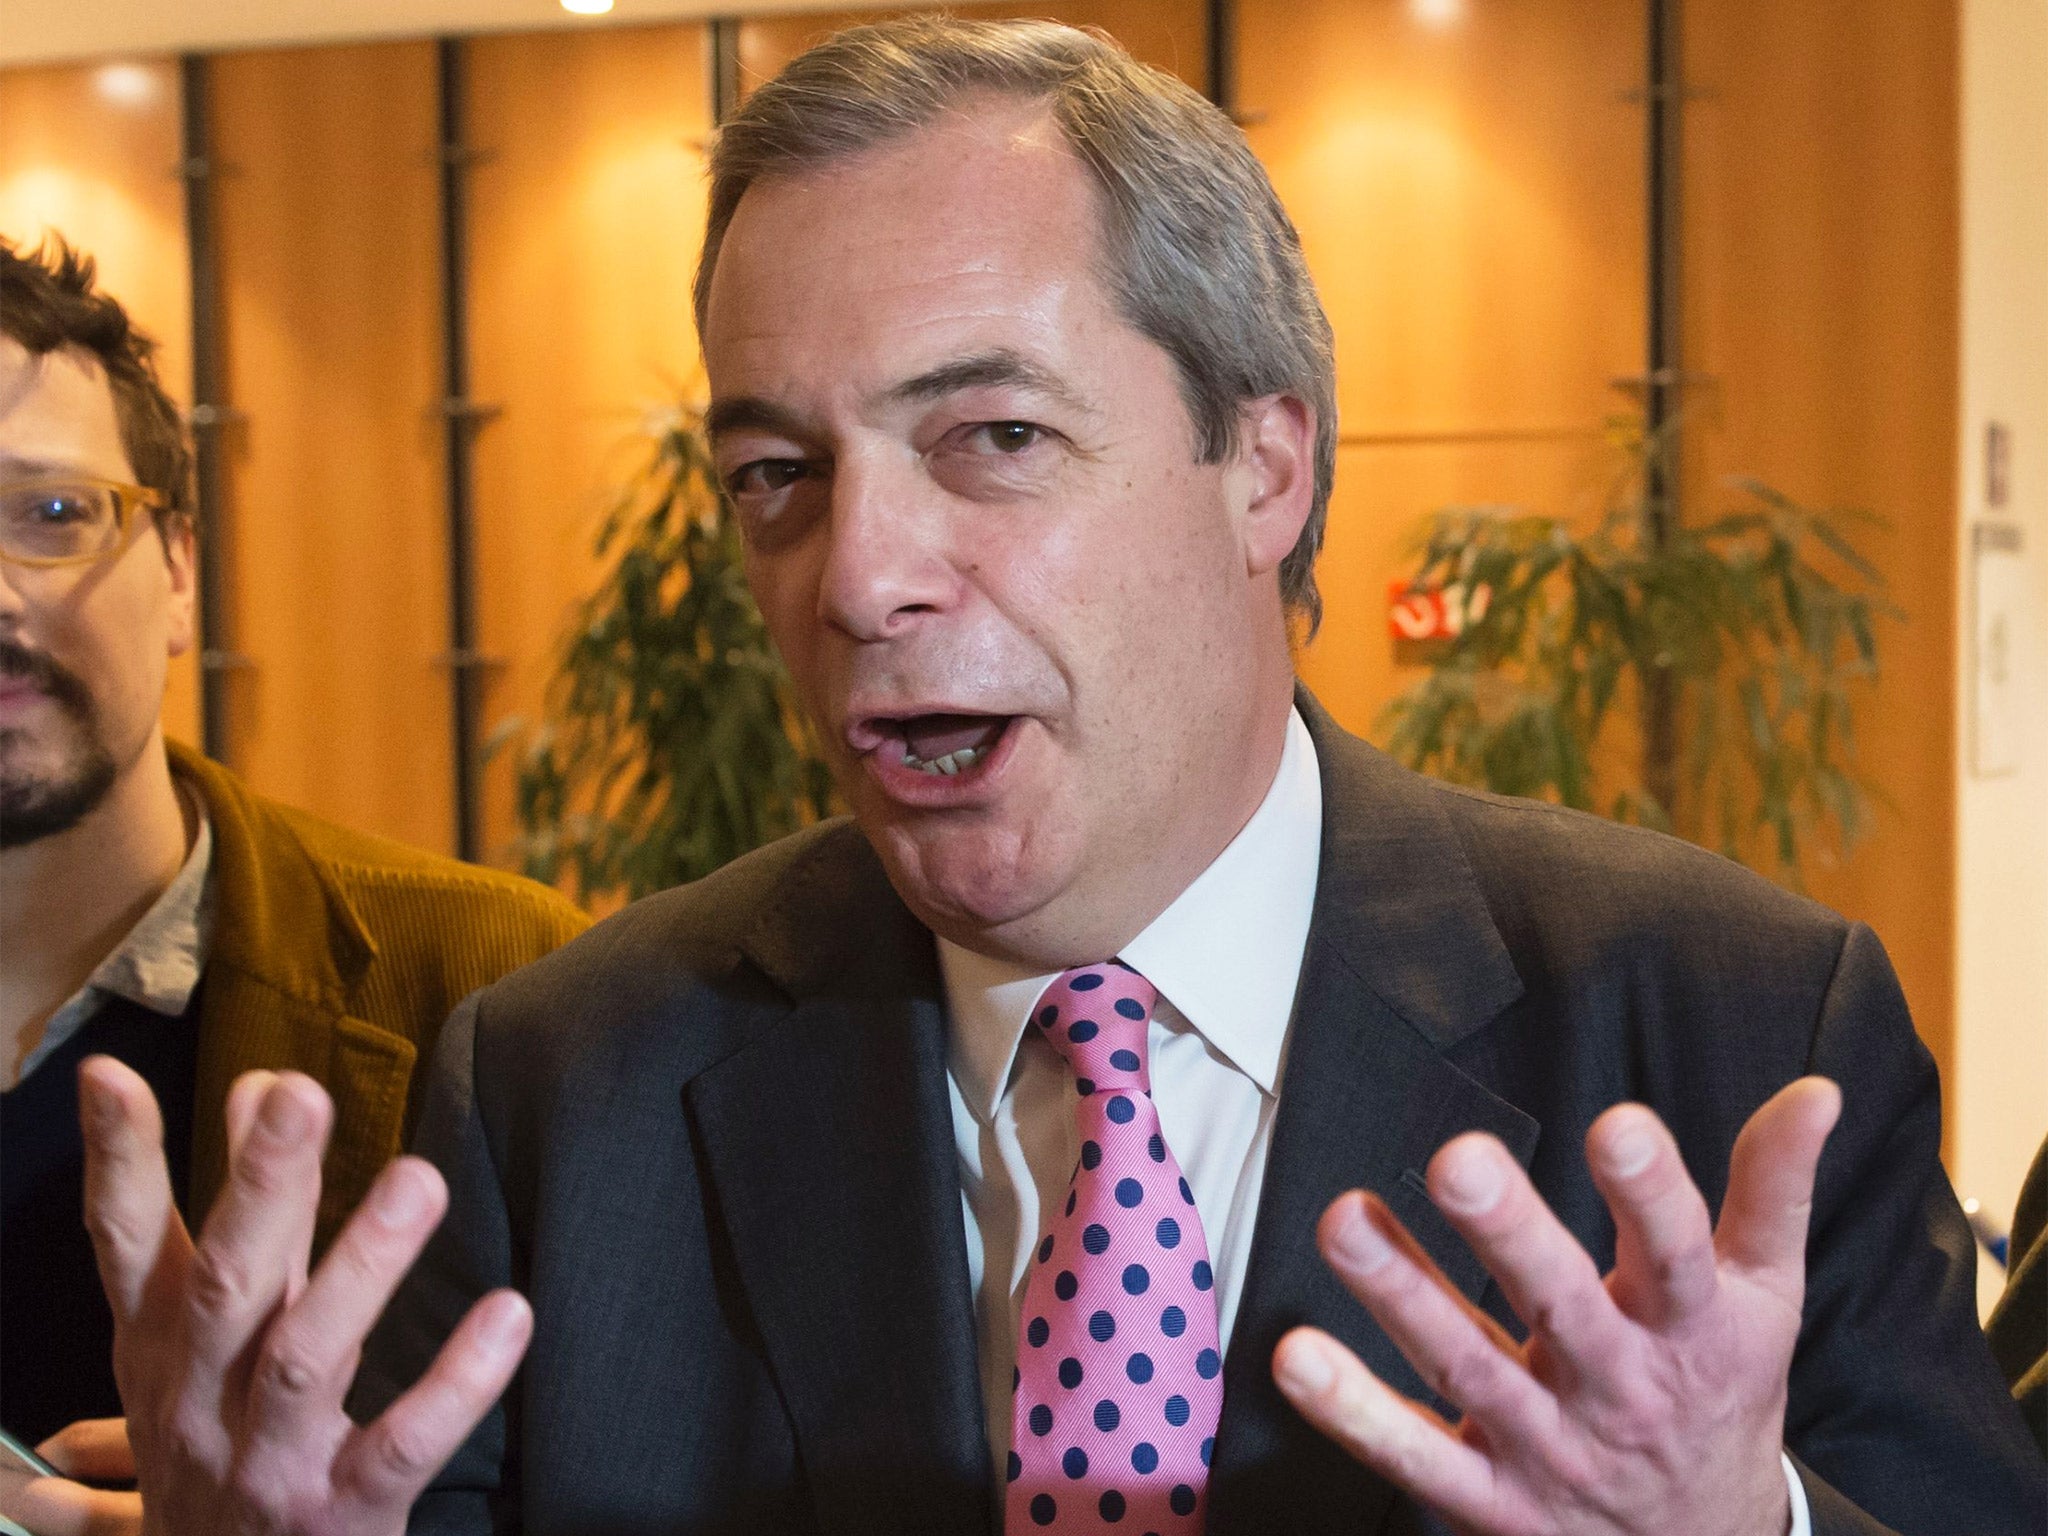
(1096, 1016)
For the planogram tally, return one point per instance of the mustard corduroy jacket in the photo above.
(339, 955)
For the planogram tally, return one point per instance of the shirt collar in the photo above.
(158, 964)
(1226, 954)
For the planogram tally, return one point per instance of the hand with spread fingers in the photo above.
(1650, 1402)
(232, 1360)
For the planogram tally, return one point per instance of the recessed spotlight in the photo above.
(587, 7)
(125, 85)
(1437, 13)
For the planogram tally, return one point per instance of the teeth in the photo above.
(948, 765)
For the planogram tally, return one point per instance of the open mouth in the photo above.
(942, 746)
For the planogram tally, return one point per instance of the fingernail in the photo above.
(1305, 1368)
(503, 1326)
(282, 1114)
(1630, 1149)
(1471, 1181)
(1358, 1242)
(399, 1202)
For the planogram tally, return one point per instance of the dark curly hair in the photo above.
(47, 301)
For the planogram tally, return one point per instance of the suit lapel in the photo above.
(828, 1140)
(1403, 961)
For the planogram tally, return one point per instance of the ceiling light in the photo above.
(125, 85)
(586, 7)
(1434, 13)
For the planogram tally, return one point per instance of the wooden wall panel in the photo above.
(1822, 293)
(586, 218)
(90, 152)
(1469, 195)
(328, 232)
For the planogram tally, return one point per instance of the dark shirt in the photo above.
(56, 1332)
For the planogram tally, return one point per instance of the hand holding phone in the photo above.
(38, 1498)
(18, 1457)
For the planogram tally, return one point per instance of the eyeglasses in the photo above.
(70, 519)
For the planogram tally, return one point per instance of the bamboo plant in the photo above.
(1759, 626)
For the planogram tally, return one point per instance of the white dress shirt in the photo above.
(1225, 958)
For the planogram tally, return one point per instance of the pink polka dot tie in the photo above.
(1119, 1379)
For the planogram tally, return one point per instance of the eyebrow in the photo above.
(748, 413)
(998, 368)
(15, 464)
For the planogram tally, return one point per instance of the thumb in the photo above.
(1770, 1180)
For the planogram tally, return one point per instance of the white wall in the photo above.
(2000, 1094)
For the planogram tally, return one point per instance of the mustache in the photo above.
(61, 684)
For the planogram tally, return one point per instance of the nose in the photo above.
(886, 564)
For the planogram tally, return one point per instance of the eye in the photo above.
(765, 477)
(57, 508)
(1011, 436)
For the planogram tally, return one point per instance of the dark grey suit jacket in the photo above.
(710, 1140)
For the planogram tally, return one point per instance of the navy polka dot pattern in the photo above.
(1119, 1376)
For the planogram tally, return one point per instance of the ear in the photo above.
(1278, 454)
(181, 559)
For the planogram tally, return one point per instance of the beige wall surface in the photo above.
(2000, 1090)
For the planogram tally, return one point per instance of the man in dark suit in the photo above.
(1025, 403)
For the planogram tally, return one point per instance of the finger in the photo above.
(1362, 1205)
(51, 1506)
(1769, 1203)
(1664, 1264)
(92, 1448)
(138, 1238)
(245, 1097)
(310, 1353)
(386, 1464)
(1400, 1440)
(1548, 1278)
(255, 1242)
(1461, 1358)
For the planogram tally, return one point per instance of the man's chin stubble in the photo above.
(36, 806)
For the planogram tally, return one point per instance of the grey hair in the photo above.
(1200, 256)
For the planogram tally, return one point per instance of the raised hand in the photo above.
(232, 1361)
(1650, 1402)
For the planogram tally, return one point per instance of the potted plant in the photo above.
(671, 741)
(1742, 643)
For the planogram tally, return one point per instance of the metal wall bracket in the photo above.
(472, 413)
(213, 418)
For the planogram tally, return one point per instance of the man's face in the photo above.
(1044, 647)
(83, 649)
